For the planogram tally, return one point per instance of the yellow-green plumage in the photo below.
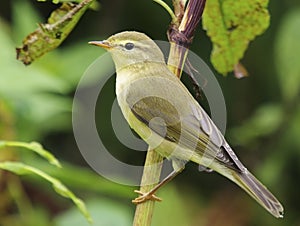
(163, 112)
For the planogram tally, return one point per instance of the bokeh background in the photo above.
(263, 113)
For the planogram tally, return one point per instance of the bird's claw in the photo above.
(145, 197)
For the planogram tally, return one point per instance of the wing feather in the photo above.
(186, 130)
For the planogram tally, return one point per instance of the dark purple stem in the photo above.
(184, 37)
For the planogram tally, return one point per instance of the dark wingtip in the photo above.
(259, 192)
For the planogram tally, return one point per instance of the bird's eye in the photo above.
(129, 46)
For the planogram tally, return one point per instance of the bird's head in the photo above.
(130, 47)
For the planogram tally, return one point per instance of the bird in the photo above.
(162, 111)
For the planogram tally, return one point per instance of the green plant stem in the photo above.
(152, 171)
(168, 9)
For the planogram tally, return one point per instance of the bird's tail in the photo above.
(258, 191)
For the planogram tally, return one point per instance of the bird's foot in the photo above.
(145, 197)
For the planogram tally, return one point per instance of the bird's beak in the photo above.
(104, 44)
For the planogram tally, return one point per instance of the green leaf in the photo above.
(83, 179)
(33, 146)
(49, 36)
(23, 169)
(39, 94)
(287, 49)
(231, 25)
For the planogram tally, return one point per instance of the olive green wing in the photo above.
(193, 130)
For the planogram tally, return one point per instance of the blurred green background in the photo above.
(263, 112)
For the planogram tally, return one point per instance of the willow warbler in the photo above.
(162, 111)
